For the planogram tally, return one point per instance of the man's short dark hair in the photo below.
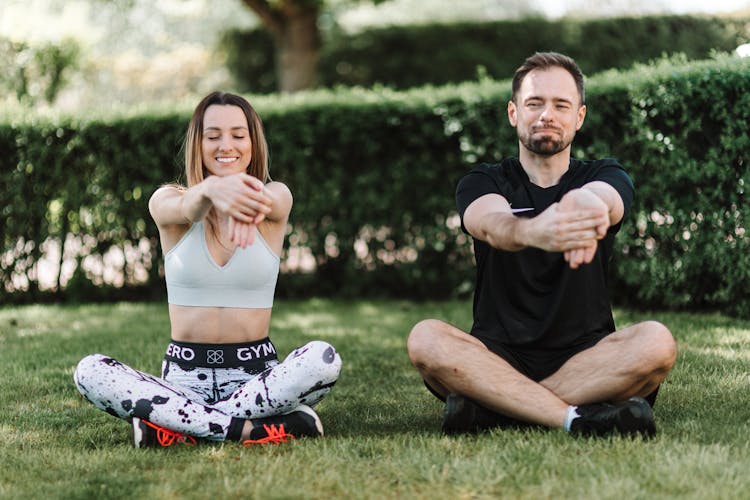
(545, 60)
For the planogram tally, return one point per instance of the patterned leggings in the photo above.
(204, 401)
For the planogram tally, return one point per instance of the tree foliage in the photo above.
(36, 73)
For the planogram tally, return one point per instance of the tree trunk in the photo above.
(294, 27)
(298, 51)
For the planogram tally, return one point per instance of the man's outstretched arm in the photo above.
(489, 218)
(610, 197)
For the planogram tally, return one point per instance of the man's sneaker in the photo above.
(300, 422)
(630, 418)
(462, 415)
(148, 435)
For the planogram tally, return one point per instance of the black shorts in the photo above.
(538, 364)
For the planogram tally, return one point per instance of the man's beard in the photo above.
(545, 146)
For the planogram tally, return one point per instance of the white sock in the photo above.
(569, 416)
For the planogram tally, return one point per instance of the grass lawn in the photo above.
(382, 426)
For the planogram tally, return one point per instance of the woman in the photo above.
(221, 236)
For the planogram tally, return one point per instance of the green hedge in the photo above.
(86, 179)
(373, 174)
(407, 56)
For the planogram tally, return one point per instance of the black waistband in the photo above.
(221, 355)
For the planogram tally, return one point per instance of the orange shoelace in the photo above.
(274, 435)
(168, 437)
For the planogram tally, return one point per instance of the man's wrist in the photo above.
(519, 232)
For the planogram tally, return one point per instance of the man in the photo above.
(543, 348)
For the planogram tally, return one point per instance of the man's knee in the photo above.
(657, 345)
(649, 346)
(433, 343)
(422, 340)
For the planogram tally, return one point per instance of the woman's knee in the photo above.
(87, 366)
(321, 355)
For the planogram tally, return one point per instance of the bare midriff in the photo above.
(218, 325)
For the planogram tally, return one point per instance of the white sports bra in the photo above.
(247, 280)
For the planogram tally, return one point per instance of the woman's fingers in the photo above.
(241, 234)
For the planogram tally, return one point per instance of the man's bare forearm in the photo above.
(503, 231)
(610, 197)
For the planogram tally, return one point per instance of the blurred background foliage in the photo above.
(373, 173)
(409, 56)
(37, 73)
(138, 53)
(91, 124)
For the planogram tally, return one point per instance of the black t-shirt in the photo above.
(531, 297)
